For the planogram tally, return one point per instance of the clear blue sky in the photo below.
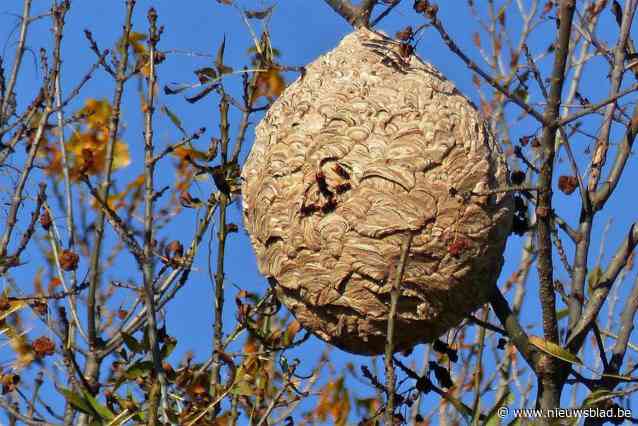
(301, 30)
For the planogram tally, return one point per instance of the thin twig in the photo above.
(390, 343)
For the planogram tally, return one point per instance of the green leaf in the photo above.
(78, 401)
(243, 388)
(522, 94)
(621, 377)
(554, 350)
(493, 418)
(139, 369)
(598, 396)
(562, 314)
(131, 343)
(168, 347)
(174, 118)
(100, 409)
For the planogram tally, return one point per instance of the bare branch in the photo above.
(390, 343)
(595, 107)
(602, 145)
(447, 39)
(17, 61)
(599, 295)
(624, 333)
(600, 197)
(515, 332)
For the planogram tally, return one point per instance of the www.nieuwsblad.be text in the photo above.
(565, 413)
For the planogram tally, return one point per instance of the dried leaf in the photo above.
(202, 94)
(259, 14)
(219, 59)
(69, 260)
(206, 75)
(43, 346)
(567, 184)
(175, 88)
(270, 83)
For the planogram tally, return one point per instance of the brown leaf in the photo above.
(174, 249)
(69, 260)
(43, 346)
(567, 184)
(270, 83)
(45, 220)
(259, 14)
(406, 34)
(476, 38)
(188, 201)
(547, 8)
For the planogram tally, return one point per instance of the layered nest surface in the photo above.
(369, 146)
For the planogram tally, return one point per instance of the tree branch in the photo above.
(390, 343)
(602, 145)
(549, 380)
(357, 16)
(436, 23)
(577, 334)
(600, 197)
(515, 332)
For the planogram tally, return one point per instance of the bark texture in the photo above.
(368, 145)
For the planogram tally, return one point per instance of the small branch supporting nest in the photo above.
(357, 16)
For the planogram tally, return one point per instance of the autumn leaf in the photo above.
(69, 260)
(567, 184)
(12, 330)
(87, 146)
(334, 401)
(270, 84)
(43, 346)
(135, 41)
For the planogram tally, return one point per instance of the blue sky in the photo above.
(301, 30)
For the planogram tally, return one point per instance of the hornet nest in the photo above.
(368, 146)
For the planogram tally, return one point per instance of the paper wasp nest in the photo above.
(368, 146)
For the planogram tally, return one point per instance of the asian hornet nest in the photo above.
(369, 145)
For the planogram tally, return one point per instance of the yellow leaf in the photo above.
(554, 350)
(14, 306)
(183, 152)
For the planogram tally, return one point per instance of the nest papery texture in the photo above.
(365, 148)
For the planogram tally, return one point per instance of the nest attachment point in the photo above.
(368, 146)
